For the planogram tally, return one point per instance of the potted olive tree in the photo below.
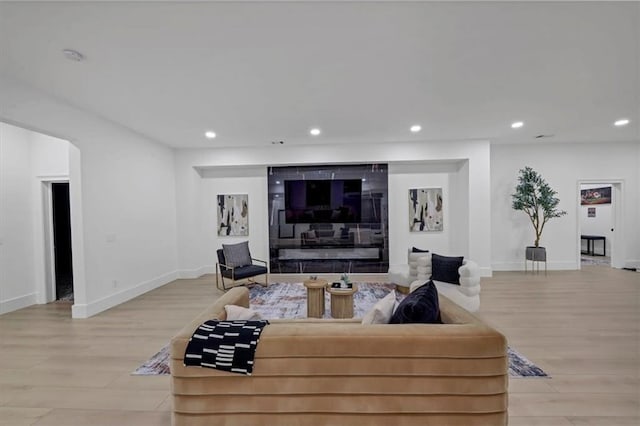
(534, 196)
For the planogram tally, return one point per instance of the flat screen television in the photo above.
(323, 201)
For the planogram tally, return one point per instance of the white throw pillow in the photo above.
(381, 311)
(235, 312)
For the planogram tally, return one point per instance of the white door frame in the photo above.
(617, 251)
(48, 270)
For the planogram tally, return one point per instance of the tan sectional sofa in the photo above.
(340, 372)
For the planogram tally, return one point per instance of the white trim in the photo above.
(53, 178)
(618, 249)
(196, 273)
(519, 266)
(93, 308)
(632, 263)
(486, 271)
(16, 303)
(49, 293)
(44, 238)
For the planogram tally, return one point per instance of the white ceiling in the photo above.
(362, 72)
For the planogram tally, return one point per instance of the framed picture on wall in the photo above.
(595, 196)
(425, 210)
(233, 215)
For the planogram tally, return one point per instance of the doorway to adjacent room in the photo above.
(60, 253)
(600, 224)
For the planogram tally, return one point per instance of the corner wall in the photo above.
(17, 278)
(127, 211)
(26, 158)
(562, 166)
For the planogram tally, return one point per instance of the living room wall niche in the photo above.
(461, 167)
(328, 218)
(452, 177)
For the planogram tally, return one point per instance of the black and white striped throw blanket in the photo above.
(225, 345)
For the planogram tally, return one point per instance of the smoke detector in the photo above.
(73, 55)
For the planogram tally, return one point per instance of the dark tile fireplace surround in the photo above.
(359, 246)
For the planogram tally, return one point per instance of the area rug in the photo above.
(288, 300)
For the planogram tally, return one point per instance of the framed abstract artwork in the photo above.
(425, 210)
(233, 215)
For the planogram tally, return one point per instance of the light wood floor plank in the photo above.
(66, 417)
(10, 416)
(605, 421)
(582, 327)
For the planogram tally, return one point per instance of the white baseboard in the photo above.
(16, 303)
(632, 264)
(196, 273)
(92, 308)
(519, 266)
(485, 271)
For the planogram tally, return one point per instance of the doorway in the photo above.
(63, 265)
(600, 224)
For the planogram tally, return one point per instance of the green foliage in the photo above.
(535, 197)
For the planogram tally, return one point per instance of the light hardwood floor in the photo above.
(582, 327)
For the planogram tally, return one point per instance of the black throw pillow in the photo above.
(417, 250)
(445, 268)
(420, 306)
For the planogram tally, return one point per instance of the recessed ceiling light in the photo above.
(209, 134)
(621, 122)
(314, 131)
(73, 55)
(364, 179)
(517, 125)
(416, 128)
(277, 182)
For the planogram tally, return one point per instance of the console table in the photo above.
(332, 254)
(591, 239)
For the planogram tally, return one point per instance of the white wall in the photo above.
(563, 166)
(250, 181)
(124, 224)
(27, 158)
(17, 277)
(197, 212)
(49, 163)
(244, 170)
(50, 156)
(601, 224)
(403, 177)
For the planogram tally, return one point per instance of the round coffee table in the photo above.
(342, 301)
(315, 297)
